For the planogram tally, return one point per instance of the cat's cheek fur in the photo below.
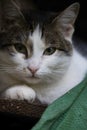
(54, 67)
(19, 59)
(21, 92)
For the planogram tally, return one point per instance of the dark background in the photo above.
(55, 5)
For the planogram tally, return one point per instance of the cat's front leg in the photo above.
(22, 92)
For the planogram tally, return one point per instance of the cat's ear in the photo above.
(9, 12)
(65, 21)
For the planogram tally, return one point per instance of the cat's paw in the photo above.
(20, 93)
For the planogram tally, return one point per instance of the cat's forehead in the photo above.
(42, 39)
(36, 39)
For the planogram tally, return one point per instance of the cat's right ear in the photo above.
(9, 12)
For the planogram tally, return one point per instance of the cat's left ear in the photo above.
(10, 13)
(66, 20)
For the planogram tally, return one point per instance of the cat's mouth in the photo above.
(33, 79)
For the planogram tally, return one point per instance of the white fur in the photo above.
(38, 48)
(38, 44)
(74, 75)
(22, 92)
(56, 74)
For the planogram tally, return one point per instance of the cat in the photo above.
(37, 56)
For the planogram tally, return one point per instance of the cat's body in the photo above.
(37, 56)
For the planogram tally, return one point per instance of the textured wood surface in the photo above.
(22, 108)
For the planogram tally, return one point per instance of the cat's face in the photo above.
(35, 51)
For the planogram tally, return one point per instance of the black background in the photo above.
(55, 5)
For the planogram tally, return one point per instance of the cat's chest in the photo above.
(49, 93)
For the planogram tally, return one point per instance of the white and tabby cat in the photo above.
(37, 55)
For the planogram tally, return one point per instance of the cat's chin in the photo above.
(33, 80)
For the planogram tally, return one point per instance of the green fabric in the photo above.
(68, 112)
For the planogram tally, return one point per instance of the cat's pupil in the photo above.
(50, 51)
(21, 48)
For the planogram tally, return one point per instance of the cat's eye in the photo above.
(50, 51)
(21, 48)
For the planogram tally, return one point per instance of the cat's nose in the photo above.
(33, 70)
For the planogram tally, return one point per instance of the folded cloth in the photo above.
(69, 112)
